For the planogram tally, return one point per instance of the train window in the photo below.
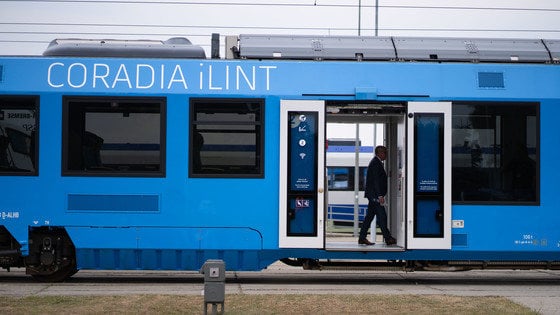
(342, 178)
(114, 136)
(18, 135)
(226, 138)
(495, 155)
(363, 173)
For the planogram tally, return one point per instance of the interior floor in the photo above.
(346, 241)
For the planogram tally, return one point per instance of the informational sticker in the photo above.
(302, 151)
(427, 185)
(302, 203)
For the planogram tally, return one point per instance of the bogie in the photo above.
(51, 256)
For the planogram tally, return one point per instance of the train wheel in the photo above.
(52, 255)
(57, 276)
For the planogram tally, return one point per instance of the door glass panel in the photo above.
(302, 166)
(427, 153)
(428, 180)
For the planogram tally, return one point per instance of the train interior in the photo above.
(345, 206)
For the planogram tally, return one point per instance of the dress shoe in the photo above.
(364, 241)
(390, 241)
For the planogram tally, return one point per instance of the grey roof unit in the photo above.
(176, 47)
(397, 48)
(471, 49)
(554, 49)
(315, 47)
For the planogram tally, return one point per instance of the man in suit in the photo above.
(375, 191)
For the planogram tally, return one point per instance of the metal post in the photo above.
(359, 17)
(373, 226)
(214, 271)
(376, 17)
(357, 180)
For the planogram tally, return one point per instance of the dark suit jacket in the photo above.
(376, 179)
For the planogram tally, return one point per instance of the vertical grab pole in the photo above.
(373, 226)
(357, 180)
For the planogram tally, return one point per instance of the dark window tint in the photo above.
(226, 138)
(495, 153)
(18, 135)
(112, 136)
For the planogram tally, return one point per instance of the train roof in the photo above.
(176, 47)
(309, 47)
(438, 49)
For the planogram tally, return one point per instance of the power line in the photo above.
(294, 4)
(221, 3)
(191, 35)
(169, 26)
(255, 27)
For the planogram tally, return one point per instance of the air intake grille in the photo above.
(492, 80)
(114, 203)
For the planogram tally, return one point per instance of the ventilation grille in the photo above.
(113, 203)
(492, 80)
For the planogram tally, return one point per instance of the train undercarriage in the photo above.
(419, 265)
(52, 258)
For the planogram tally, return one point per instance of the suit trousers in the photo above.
(375, 209)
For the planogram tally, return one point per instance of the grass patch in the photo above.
(262, 304)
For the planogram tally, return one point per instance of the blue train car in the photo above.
(143, 155)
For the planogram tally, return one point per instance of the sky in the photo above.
(26, 27)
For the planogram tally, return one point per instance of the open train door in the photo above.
(429, 175)
(302, 168)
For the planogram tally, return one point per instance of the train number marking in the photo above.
(9, 215)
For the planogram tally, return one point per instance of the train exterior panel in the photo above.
(163, 163)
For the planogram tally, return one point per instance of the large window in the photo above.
(495, 153)
(18, 135)
(226, 138)
(114, 136)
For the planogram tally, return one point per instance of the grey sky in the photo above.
(26, 27)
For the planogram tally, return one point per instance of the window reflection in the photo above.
(112, 136)
(227, 138)
(495, 152)
(18, 136)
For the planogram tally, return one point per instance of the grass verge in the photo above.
(262, 304)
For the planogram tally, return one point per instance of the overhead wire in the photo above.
(293, 4)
